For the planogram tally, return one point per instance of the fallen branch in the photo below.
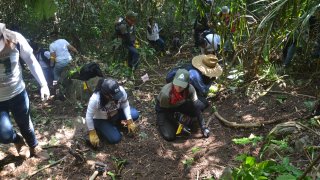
(182, 46)
(47, 166)
(309, 168)
(293, 94)
(308, 128)
(247, 125)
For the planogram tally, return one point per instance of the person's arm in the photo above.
(197, 82)
(93, 106)
(26, 53)
(73, 49)
(124, 104)
(149, 29)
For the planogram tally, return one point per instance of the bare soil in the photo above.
(61, 132)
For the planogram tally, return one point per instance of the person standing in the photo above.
(13, 95)
(127, 32)
(153, 34)
(108, 108)
(60, 55)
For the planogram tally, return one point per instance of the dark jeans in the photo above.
(168, 125)
(133, 60)
(48, 74)
(288, 53)
(19, 107)
(158, 44)
(108, 129)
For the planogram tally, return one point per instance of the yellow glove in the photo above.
(132, 127)
(93, 137)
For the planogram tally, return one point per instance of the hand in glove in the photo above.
(45, 93)
(93, 137)
(205, 132)
(132, 127)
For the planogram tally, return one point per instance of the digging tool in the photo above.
(100, 168)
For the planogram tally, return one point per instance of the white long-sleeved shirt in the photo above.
(94, 111)
(154, 32)
(11, 82)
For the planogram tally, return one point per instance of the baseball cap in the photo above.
(131, 14)
(112, 88)
(181, 78)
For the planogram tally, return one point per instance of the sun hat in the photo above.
(181, 78)
(207, 65)
(6, 34)
(111, 87)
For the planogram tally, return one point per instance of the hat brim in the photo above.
(180, 83)
(117, 96)
(209, 72)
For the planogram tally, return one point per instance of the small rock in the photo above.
(9, 167)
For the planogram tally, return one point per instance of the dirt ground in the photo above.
(61, 132)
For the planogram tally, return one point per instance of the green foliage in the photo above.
(195, 150)
(309, 104)
(251, 139)
(250, 169)
(282, 144)
(188, 162)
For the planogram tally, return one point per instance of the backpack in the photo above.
(119, 21)
(89, 71)
(41, 57)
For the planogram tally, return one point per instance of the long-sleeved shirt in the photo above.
(95, 111)
(153, 32)
(11, 82)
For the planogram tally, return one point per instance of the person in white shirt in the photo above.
(59, 53)
(13, 95)
(210, 43)
(153, 34)
(108, 108)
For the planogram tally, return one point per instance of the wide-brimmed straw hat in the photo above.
(207, 65)
(6, 34)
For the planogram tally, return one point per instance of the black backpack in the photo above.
(119, 21)
(40, 56)
(89, 71)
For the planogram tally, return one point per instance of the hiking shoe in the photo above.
(19, 144)
(38, 152)
(205, 132)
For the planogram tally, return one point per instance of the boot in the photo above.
(19, 144)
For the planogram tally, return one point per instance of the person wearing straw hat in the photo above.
(13, 95)
(178, 96)
(203, 70)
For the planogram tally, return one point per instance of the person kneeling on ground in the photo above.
(177, 96)
(203, 72)
(108, 108)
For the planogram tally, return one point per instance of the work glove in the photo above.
(205, 132)
(45, 93)
(93, 137)
(132, 127)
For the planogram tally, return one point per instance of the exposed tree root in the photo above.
(247, 125)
